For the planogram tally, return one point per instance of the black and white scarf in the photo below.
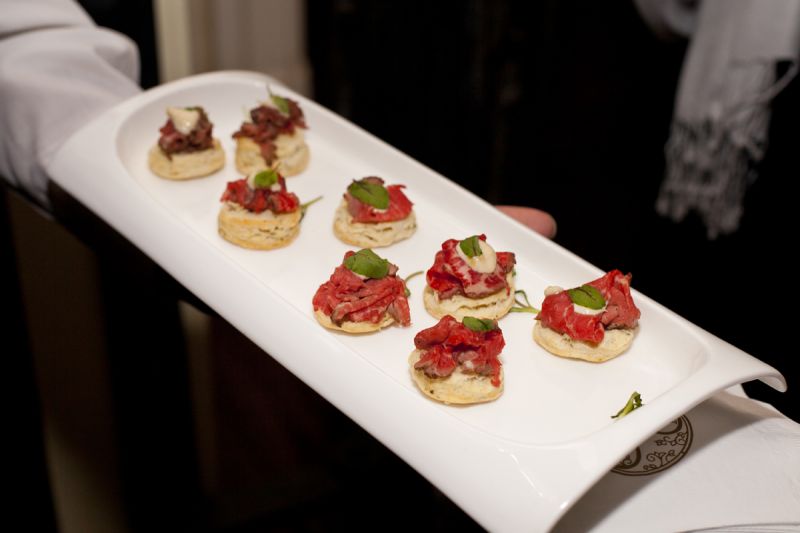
(722, 110)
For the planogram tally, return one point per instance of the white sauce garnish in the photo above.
(269, 103)
(251, 179)
(552, 290)
(484, 263)
(185, 120)
(581, 310)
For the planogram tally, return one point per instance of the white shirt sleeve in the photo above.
(58, 70)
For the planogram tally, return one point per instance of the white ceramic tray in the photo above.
(516, 464)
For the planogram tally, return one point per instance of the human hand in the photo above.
(536, 219)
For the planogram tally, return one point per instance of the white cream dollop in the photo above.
(484, 263)
(581, 310)
(185, 120)
(251, 179)
(268, 103)
(552, 290)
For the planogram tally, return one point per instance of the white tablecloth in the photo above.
(731, 463)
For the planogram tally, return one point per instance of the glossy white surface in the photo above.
(531, 453)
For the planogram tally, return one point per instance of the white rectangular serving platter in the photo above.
(516, 464)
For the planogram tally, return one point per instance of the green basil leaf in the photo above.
(523, 306)
(367, 263)
(587, 296)
(471, 246)
(304, 207)
(373, 194)
(280, 102)
(265, 178)
(634, 402)
(479, 324)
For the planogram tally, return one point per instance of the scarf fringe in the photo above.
(710, 164)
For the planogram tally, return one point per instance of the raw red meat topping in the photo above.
(268, 122)
(259, 199)
(450, 344)
(451, 275)
(398, 209)
(346, 296)
(558, 311)
(172, 141)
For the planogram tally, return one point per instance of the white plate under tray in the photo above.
(516, 464)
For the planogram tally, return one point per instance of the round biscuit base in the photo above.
(492, 307)
(186, 166)
(614, 343)
(291, 162)
(262, 231)
(353, 327)
(371, 235)
(458, 388)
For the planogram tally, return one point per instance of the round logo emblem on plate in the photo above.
(663, 450)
